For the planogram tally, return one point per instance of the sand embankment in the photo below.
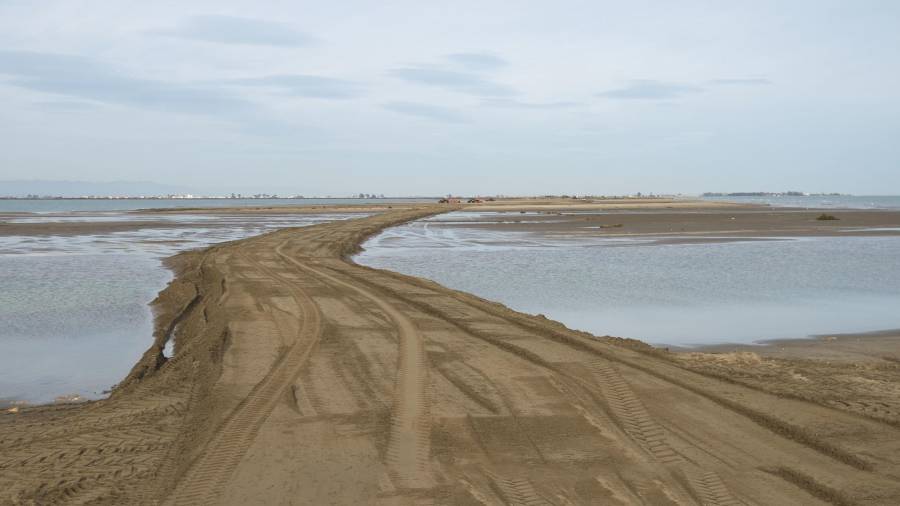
(299, 376)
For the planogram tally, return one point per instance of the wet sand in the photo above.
(299, 376)
(684, 222)
(602, 204)
(85, 223)
(881, 346)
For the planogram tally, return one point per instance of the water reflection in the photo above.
(74, 308)
(659, 289)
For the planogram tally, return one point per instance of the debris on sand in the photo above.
(62, 399)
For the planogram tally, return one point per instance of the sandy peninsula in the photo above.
(300, 377)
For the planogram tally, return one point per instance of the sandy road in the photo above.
(409, 442)
(302, 378)
(207, 477)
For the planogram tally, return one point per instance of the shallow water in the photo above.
(662, 293)
(192, 231)
(73, 324)
(74, 309)
(71, 205)
(820, 201)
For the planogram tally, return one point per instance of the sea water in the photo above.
(662, 292)
(73, 324)
(819, 201)
(74, 314)
(123, 204)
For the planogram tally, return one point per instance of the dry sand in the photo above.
(302, 378)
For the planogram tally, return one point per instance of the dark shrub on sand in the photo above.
(827, 217)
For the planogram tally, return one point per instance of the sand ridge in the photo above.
(302, 378)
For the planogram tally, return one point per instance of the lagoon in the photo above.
(738, 290)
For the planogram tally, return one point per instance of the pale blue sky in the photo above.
(471, 97)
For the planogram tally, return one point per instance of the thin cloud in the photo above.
(426, 111)
(306, 85)
(741, 82)
(83, 78)
(516, 104)
(65, 106)
(236, 30)
(646, 89)
(477, 61)
(462, 82)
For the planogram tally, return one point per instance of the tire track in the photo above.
(409, 444)
(712, 491)
(633, 417)
(208, 476)
(530, 383)
(517, 491)
(474, 385)
(786, 429)
(631, 413)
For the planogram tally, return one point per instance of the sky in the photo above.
(429, 98)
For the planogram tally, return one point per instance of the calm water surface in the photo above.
(73, 324)
(74, 309)
(821, 201)
(665, 294)
(67, 205)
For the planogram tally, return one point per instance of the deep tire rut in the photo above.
(409, 444)
(418, 394)
(208, 476)
(712, 490)
(631, 413)
(518, 491)
(627, 408)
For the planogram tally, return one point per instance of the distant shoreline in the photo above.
(216, 198)
(775, 194)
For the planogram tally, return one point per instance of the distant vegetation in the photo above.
(827, 217)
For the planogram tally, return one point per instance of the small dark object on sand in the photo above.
(827, 217)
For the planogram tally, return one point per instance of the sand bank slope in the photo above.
(302, 378)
